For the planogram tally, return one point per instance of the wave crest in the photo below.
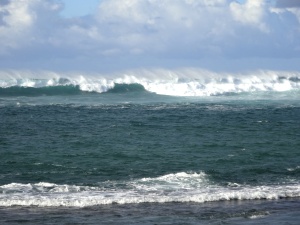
(191, 82)
(179, 187)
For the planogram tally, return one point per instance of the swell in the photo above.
(62, 90)
(48, 90)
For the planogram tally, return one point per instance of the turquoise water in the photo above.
(128, 156)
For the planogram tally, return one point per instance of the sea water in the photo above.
(139, 150)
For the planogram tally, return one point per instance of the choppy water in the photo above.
(128, 156)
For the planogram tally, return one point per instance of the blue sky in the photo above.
(108, 35)
(79, 7)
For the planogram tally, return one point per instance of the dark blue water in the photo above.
(133, 157)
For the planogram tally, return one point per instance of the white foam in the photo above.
(181, 82)
(293, 169)
(179, 187)
(259, 215)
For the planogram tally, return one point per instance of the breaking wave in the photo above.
(179, 187)
(186, 82)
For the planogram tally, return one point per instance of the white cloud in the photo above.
(16, 21)
(22, 20)
(157, 26)
(138, 30)
(250, 13)
(291, 6)
(296, 12)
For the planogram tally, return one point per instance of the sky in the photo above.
(79, 8)
(109, 35)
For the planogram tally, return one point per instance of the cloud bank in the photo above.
(288, 3)
(137, 33)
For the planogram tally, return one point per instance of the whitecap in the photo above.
(178, 187)
(181, 82)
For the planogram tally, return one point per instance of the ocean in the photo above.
(150, 147)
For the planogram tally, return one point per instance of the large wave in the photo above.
(179, 187)
(184, 82)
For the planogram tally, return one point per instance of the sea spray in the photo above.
(184, 82)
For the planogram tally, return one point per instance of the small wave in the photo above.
(180, 187)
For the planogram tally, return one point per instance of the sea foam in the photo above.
(179, 187)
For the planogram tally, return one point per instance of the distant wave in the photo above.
(64, 90)
(179, 187)
(48, 90)
(191, 82)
